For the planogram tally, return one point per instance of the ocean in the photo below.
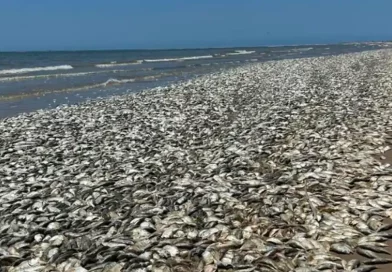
(41, 80)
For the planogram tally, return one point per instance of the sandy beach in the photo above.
(274, 166)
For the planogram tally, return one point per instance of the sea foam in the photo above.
(115, 64)
(35, 69)
(180, 59)
(112, 81)
(240, 52)
(20, 78)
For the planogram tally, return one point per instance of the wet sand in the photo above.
(386, 158)
(380, 268)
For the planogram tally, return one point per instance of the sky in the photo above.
(151, 24)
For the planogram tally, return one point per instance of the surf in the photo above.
(35, 69)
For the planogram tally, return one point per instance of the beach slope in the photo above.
(266, 167)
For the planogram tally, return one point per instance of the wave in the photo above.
(240, 52)
(20, 78)
(281, 51)
(115, 64)
(197, 57)
(35, 93)
(292, 50)
(115, 81)
(155, 77)
(107, 83)
(302, 49)
(180, 59)
(170, 68)
(35, 69)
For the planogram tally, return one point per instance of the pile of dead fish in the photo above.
(266, 167)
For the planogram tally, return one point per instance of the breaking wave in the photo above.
(115, 64)
(20, 78)
(240, 52)
(35, 69)
(107, 83)
(302, 49)
(114, 81)
(180, 59)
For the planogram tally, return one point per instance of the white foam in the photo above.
(117, 81)
(160, 60)
(19, 78)
(197, 57)
(115, 64)
(180, 59)
(153, 77)
(35, 69)
(113, 81)
(240, 52)
(302, 49)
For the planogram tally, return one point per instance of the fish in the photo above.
(266, 166)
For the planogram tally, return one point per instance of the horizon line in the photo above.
(195, 48)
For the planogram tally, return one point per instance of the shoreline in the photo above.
(269, 165)
(73, 77)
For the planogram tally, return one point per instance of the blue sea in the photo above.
(40, 80)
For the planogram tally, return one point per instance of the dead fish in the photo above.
(384, 227)
(341, 248)
(378, 261)
(376, 249)
(269, 164)
(367, 253)
(352, 264)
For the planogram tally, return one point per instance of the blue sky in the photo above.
(104, 24)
